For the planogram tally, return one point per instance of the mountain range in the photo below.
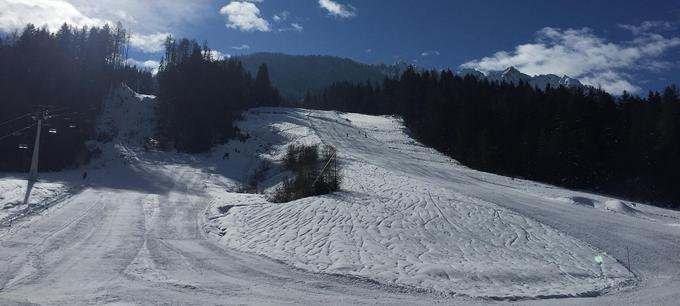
(513, 76)
(297, 75)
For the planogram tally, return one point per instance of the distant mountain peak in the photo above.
(512, 75)
(511, 69)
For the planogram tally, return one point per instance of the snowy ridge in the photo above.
(513, 76)
(399, 221)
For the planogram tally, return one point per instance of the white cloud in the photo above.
(283, 16)
(297, 27)
(149, 65)
(244, 16)
(581, 54)
(15, 14)
(338, 10)
(149, 16)
(647, 26)
(430, 53)
(241, 47)
(293, 27)
(152, 43)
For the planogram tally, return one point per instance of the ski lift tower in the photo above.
(33, 173)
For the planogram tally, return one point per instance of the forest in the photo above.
(200, 96)
(65, 74)
(577, 138)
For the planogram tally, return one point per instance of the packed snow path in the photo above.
(134, 236)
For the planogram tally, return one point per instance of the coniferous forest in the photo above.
(577, 138)
(68, 73)
(200, 97)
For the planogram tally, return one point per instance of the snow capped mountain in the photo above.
(513, 76)
(510, 75)
(471, 72)
(570, 82)
(543, 80)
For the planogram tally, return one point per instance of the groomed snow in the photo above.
(391, 225)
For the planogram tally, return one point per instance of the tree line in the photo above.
(201, 96)
(576, 138)
(68, 72)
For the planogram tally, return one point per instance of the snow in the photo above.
(471, 72)
(16, 203)
(392, 226)
(409, 227)
(618, 206)
(510, 75)
(128, 116)
(513, 76)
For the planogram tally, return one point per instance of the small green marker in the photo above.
(599, 259)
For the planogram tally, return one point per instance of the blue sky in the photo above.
(631, 45)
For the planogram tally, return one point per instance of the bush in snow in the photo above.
(315, 173)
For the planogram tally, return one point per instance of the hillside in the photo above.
(409, 226)
(295, 75)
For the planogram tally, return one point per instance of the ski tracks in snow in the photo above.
(389, 225)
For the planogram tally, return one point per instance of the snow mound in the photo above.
(580, 201)
(398, 221)
(619, 207)
(607, 205)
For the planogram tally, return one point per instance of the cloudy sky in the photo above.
(631, 45)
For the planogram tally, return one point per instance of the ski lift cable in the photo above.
(61, 115)
(17, 118)
(61, 110)
(17, 131)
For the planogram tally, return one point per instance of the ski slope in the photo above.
(406, 217)
(409, 227)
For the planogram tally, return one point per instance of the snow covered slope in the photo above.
(406, 216)
(411, 227)
(127, 117)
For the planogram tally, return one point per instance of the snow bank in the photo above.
(619, 207)
(390, 225)
(13, 196)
